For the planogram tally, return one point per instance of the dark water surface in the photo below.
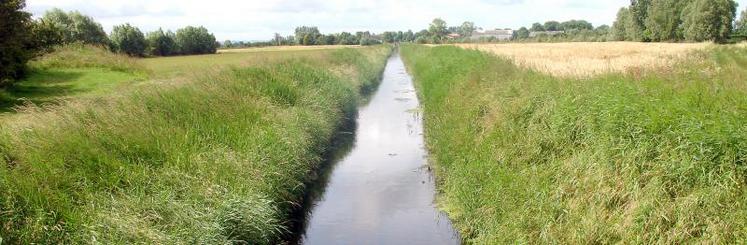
(378, 189)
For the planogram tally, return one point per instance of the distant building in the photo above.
(545, 33)
(498, 34)
(453, 35)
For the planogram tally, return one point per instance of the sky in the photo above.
(252, 20)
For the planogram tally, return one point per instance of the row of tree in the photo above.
(572, 30)
(69, 27)
(310, 35)
(22, 38)
(676, 20)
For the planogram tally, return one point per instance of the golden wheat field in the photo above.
(588, 59)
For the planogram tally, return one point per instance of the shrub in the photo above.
(15, 40)
(161, 43)
(76, 27)
(195, 40)
(129, 40)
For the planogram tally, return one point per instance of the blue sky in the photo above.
(258, 20)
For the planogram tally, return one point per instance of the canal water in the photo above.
(378, 189)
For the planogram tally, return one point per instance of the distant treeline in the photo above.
(572, 30)
(310, 35)
(22, 38)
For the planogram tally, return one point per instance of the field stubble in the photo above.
(588, 59)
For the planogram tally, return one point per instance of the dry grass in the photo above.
(588, 59)
(284, 48)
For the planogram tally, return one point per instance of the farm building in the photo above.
(497, 34)
(453, 36)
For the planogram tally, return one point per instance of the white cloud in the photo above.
(258, 20)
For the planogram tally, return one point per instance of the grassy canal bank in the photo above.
(215, 157)
(643, 156)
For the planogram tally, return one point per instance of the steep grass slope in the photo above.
(647, 157)
(221, 159)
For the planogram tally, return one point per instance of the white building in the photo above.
(498, 34)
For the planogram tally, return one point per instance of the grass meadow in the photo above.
(639, 156)
(208, 149)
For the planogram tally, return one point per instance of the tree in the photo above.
(741, 26)
(164, 44)
(389, 37)
(537, 27)
(195, 40)
(345, 38)
(552, 26)
(15, 44)
(76, 27)
(408, 36)
(399, 37)
(709, 20)
(664, 20)
(522, 33)
(307, 35)
(129, 40)
(466, 29)
(228, 44)
(638, 14)
(619, 27)
(576, 25)
(438, 30)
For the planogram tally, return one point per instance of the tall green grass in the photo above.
(221, 159)
(647, 157)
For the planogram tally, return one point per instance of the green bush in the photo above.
(16, 41)
(195, 40)
(129, 40)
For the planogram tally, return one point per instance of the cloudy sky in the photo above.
(259, 19)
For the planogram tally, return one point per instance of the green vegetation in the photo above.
(195, 40)
(75, 27)
(72, 70)
(649, 156)
(220, 158)
(676, 20)
(16, 34)
(162, 43)
(129, 40)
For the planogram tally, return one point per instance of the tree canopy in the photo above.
(161, 43)
(675, 20)
(466, 29)
(76, 27)
(195, 40)
(16, 33)
(129, 40)
(438, 30)
(741, 26)
(709, 20)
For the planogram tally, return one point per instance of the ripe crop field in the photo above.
(219, 154)
(588, 59)
(651, 156)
